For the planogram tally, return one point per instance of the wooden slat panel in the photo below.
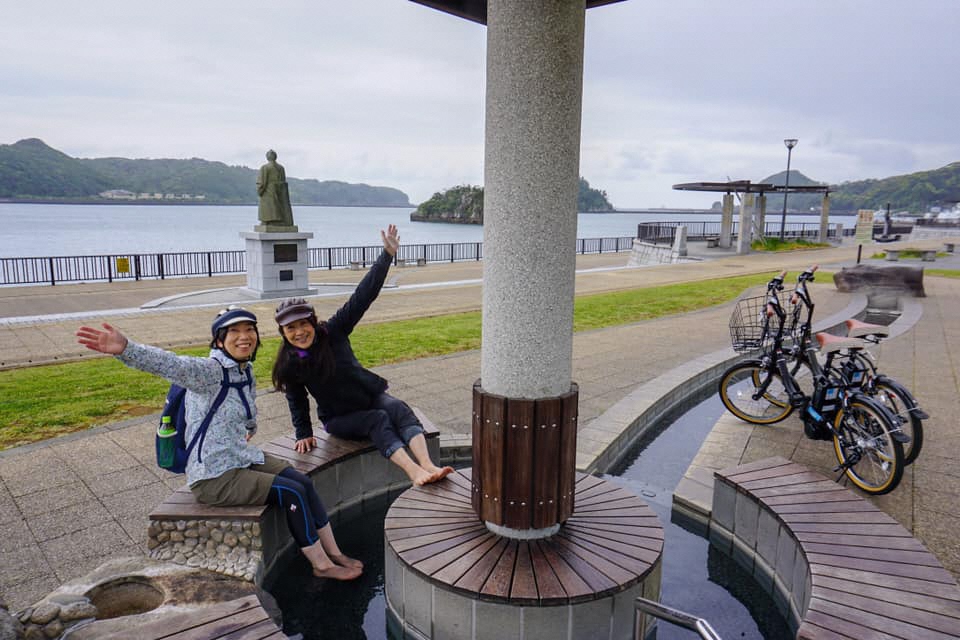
(426, 539)
(817, 497)
(849, 528)
(604, 546)
(584, 503)
(258, 631)
(823, 486)
(477, 442)
(766, 473)
(871, 620)
(905, 543)
(618, 569)
(415, 555)
(637, 537)
(921, 558)
(547, 475)
(820, 626)
(845, 506)
(568, 452)
(587, 482)
(944, 591)
(879, 591)
(934, 574)
(438, 561)
(597, 582)
(474, 579)
(519, 463)
(402, 523)
(417, 500)
(867, 519)
(456, 570)
(765, 463)
(781, 481)
(573, 584)
(653, 531)
(395, 535)
(221, 628)
(524, 585)
(176, 622)
(549, 588)
(491, 453)
(498, 582)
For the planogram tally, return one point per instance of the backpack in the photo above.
(172, 448)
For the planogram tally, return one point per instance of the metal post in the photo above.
(790, 144)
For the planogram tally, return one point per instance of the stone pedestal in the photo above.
(277, 264)
(745, 234)
(726, 222)
(825, 221)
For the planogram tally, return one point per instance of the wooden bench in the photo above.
(837, 566)
(354, 265)
(713, 243)
(948, 246)
(929, 255)
(441, 562)
(245, 541)
(893, 255)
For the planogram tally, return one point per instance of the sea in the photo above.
(51, 230)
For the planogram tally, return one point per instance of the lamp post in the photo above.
(790, 144)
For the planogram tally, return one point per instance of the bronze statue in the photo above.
(274, 211)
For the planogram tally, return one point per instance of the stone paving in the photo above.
(71, 503)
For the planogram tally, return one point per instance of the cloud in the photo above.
(391, 92)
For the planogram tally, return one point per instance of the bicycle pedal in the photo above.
(920, 413)
(900, 437)
(797, 401)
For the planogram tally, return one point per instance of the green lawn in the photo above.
(46, 401)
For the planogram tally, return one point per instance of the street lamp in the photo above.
(790, 143)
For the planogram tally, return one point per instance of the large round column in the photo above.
(534, 86)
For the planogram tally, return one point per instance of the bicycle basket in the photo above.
(750, 327)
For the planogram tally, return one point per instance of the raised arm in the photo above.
(347, 317)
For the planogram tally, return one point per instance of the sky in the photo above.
(391, 93)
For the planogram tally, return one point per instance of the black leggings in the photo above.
(294, 493)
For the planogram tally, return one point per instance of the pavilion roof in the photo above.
(476, 10)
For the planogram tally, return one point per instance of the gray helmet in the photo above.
(293, 309)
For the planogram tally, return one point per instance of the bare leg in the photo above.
(324, 567)
(330, 547)
(418, 444)
(417, 474)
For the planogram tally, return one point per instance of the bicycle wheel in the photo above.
(872, 459)
(900, 403)
(803, 376)
(753, 393)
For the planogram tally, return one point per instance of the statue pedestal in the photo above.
(277, 264)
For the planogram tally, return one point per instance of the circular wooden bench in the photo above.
(445, 572)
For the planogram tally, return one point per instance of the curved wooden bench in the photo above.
(445, 571)
(837, 566)
(244, 542)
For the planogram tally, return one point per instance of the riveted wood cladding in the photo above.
(524, 458)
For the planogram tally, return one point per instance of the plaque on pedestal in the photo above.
(277, 264)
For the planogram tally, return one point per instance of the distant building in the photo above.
(118, 194)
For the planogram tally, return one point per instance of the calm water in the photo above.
(67, 230)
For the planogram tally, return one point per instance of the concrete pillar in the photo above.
(525, 404)
(760, 223)
(532, 159)
(726, 222)
(746, 224)
(680, 243)
(825, 219)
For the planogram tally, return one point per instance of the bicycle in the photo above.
(854, 364)
(763, 391)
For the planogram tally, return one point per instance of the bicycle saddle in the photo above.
(830, 343)
(858, 329)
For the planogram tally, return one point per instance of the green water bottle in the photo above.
(166, 453)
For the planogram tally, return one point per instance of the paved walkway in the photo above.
(68, 504)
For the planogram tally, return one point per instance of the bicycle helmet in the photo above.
(293, 309)
(229, 316)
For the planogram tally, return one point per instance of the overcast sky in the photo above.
(389, 92)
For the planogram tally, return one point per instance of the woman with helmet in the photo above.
(225, 469)
(316, 359)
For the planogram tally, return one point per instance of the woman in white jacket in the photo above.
(225, 469)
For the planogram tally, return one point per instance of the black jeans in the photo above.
(390, 423)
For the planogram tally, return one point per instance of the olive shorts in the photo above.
(235, 487)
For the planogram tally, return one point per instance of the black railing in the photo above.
(664, 232)
(59, 269)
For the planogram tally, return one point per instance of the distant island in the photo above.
(32, 171)
(464, 204)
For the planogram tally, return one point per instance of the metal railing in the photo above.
(664, 232)
(138, 266)
(674, 616)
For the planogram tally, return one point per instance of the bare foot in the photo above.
(440, 474)
(419, 476)
(346, 561)
(336, 572)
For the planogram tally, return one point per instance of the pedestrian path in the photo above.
(69, 504)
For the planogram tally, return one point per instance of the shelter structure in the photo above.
(753, 207)
(536, 569)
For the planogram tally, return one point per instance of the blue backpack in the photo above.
(171, 442)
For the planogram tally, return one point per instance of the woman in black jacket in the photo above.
(352, 402)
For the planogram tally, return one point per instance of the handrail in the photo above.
(675, 616)
(137, 266)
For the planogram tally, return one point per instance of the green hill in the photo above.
(29, 169)
(464, 204)
(914, 192)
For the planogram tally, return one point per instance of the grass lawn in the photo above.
(945, 273)
(787, 244)
(46, 401)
